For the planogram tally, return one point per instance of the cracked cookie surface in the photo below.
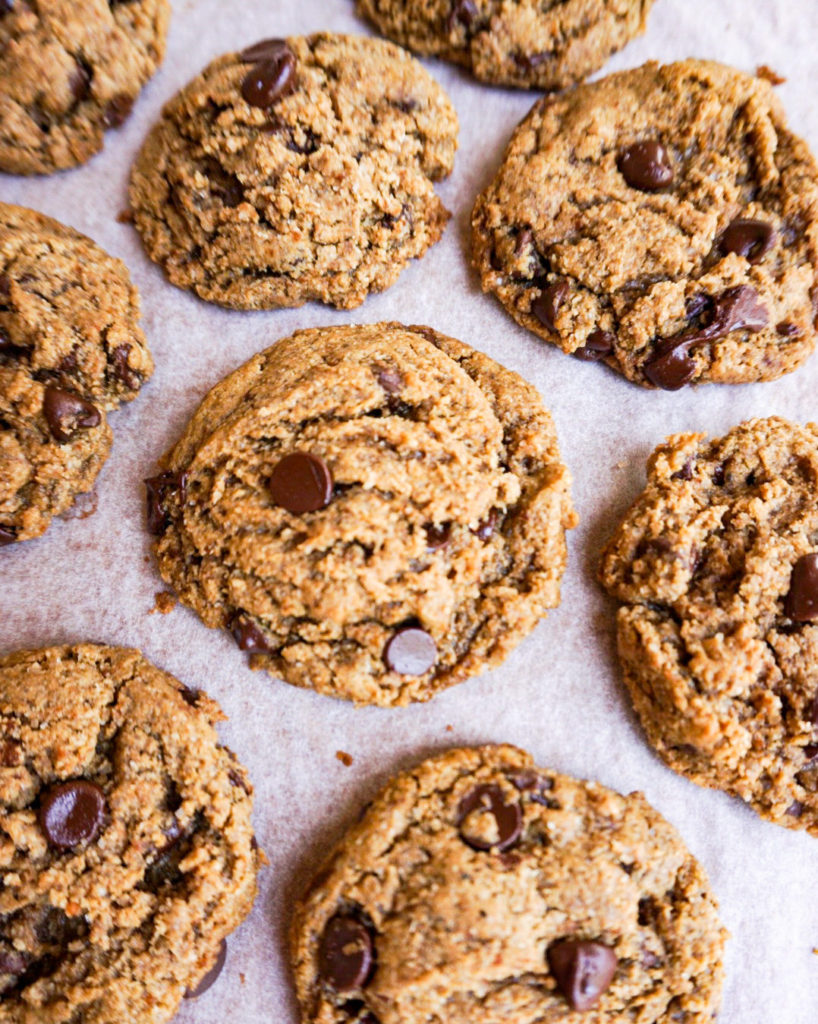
(663, 220)
(70, 70)
(71, 350)
(538, 44)
(438, 504)
(298, 169)
(110, 912)
(466, 876)
(717, 638)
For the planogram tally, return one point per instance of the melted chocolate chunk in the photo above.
(437, 536)
(547, 304)
(787, 330)
(80, 82)
(748, 238)
(210, 978)
(646, 166)
(410, 652)
(489, 801)
(121, 370)
(272, 75)
(801, 602)
(66, 414)
(72, 813)
(599, 345)
(301, 482)
(247, 634)
(345, 954)
(118, 110)
(159, 490)
(582, 970)
(7, 536)
(224, 186)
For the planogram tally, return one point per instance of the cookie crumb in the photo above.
(84, 506)
(165, 602)
(770, 74)
(125, 217)
(242, 979)
(344, 757)
(449, 728)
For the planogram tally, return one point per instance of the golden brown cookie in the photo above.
(375, 512)
(479, 887)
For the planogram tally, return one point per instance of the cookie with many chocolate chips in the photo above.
(375, 512)
(663, 221)
(478, 887)
(70, 70)
(127, 850)
(716, 566)
(70, 350)
(298, 169)
(526, 43)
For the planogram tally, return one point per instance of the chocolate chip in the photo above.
(389, 378)
(272, 75)
(159, 489)
(6, 7)
(718, 475)
(266, 50)
(685, 473)
(66, 413)
(80, 82)
(787, 330)
(671, 367)
(547, 304)
(120, 368)
(117, 110)
(211, 976)
(582, 970)
(437, 536)
(7, 536)
(72, 813)
(599, 345)
(345, 955)
(410, 652)
(301, 482)
(486, 821)
(795, 810)
(247, 634)
(748, 238)
(801, 603)
(485, 528)
(464, 12)
(646, 166)
(5, 287)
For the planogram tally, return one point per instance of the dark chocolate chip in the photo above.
(5, 287)
(810, 753)
(485, 528)
(685, 473)
(6, 7)
(80, 82)
(795, 810)
(787, 330)
(301, 482)
(56, 928)
(748, 238)
(481, 803)
(672, 366)
(345, 955)
(72, 813)
(7, 536)
(67, 413)
(247, 634)
(464, 12)
(437, 535)
(120, 368)
(599, 345)
(266, 50)
(389, 378)
(801, 602)
(410, 652)
(117, 110)
(271, 78)
(547, 304)
(582, 970)
(646, 166)
(718, 475)
(209, 979)
(159, 489)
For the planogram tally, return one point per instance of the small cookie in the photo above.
(69, 70)
(375, 512)
(478, 887)
(128, 852)
(513, 42)
(70, 351)
(664, 221)
(717, 568)
(298, 169)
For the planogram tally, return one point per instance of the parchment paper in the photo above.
(559, 694)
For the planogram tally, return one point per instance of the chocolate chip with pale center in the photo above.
(210, 978)
(749, 238)
(66, 413)
(599, 345)
(548, 303)
(801, 602)
(486, 821)
(272, 75)
(583, 970)
(301, 482)
(345, 954)
(410, 652)
(646, 166)
(72, 813)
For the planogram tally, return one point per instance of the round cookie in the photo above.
(663, 220)
(478, 887)
(375, 512)
(70, 351)
(716, 565)
(69, 70)
(296, 170)
(127, 848)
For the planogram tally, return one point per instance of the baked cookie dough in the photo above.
(663, 221)
(375, 512)
(716, 566)
(70, 350)
(478, 887)
(126, 846)
(526, 43)
(69, 70)
(298, 169)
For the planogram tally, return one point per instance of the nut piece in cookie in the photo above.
(578, 900)
(299, 169)
(374, 512)
(716, 566)
(124, 823)
(664, 221)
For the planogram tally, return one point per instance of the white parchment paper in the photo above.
(559, 694)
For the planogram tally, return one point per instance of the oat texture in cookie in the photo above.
(127, 848)
(70, 70)
(298, 169)
(663, 221)
(716, 566)
(540, 44)
(479, 887)
(71, 350)
(375, 512)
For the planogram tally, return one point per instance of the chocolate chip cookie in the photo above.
(298, 169)
(478, 887)
(663, 221)
(69, 70)
(716, 566)
(70, 350)
(526, 43)
(125, 838)
(375, 512)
